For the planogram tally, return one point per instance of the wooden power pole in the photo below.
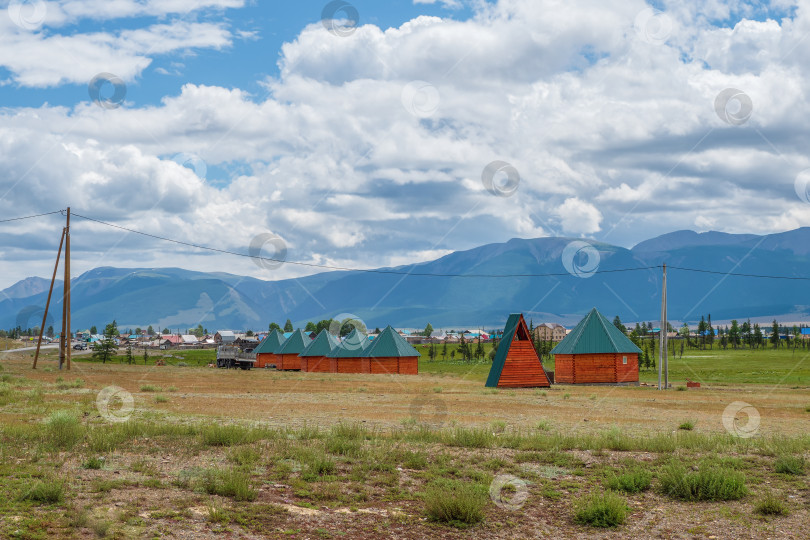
(64, 339)
(663, 357)
(69, 347)
(48, 303)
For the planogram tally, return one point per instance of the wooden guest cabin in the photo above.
(596, 352)
(516, 364)
(390, 353)
(315, 358)
(266, 351)
(287, 354)
(346, 358)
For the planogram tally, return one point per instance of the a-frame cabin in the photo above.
(516, 363)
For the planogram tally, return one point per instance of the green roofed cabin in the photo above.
(516, 364)
(596, 352)
(266, 351)
(390, 353)
(315, 357)
(345, 358)
(288, 352)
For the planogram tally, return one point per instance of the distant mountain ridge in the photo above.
(178, 298)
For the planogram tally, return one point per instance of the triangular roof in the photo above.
(295, 344)
(516, 328)
(271, 343)
(593, 335)
(352, 346)
(389, 344)
(322, 345)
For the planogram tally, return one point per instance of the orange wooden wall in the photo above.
(522, 367)
(265, 359)
(288, 361)
(315, 364)
(595, 368)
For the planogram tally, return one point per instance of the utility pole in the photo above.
(68, 337)
(48, 303)
(64, 340)
(663, 357)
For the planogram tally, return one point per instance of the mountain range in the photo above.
(463, 295)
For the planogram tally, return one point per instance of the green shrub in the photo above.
(471, 438)
(600, 510)
(45, 492)
(317, 466)
(414, 460)
(771, 506)
(342, 447)
(789, 465)
(234, 483)
(687, 426)
(224, 435)
(93, 463)
(633, 481)
(63, 430)
(459, 505)
(160, 398)
(245, 456)
(61, 385)
(151, 388)
(101, 527)
(709, 483)
(680, 388)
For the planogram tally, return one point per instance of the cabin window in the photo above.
(624, 359)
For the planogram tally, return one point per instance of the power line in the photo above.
(396, 272)
(326, 267)
(739, 274)
(30, 217)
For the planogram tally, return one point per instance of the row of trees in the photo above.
(468, 351)
(736, 335)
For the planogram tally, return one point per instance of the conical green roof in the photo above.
(271, 343)
(593, 335)
(295, 344)
(352, 346)
(390, 344)
(322, 345)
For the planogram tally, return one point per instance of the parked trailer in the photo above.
(234, 357)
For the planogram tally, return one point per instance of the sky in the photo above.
(366, 134)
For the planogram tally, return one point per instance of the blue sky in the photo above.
(243, 64)
(371, 148)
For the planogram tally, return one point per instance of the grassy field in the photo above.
(716, 367)
(145, 451)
